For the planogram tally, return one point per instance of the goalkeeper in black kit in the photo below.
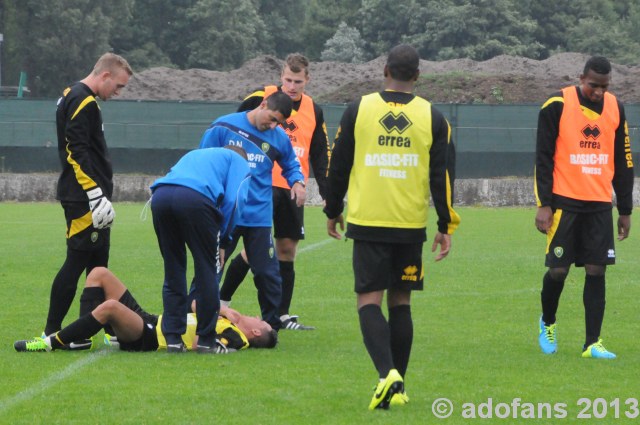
(85, 185)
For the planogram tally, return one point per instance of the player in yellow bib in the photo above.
(392, 151)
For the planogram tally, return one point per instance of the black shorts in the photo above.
(147, 342)
(378, 266)
(81, 235)
(288, 218)
(580, 238)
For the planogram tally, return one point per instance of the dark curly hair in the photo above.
(598, 64)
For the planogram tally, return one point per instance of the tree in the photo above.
(553, 20)
(607, 29)
(12, 20)
(62, 39)
(477, 29)
(628, 47)
(285, 21)
(58, 41)
(321, 22)
(346, 45)
(148, 37)
(226, 34)
(147, 55)
(383, 23)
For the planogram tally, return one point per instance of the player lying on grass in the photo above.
(108, 301)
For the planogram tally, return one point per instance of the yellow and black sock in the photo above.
(83, 328)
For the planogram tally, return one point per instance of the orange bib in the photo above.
(299, 127)
(584, 157)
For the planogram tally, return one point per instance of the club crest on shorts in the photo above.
(271, 252)
(410, 273)
(558, 251)
(94, 237)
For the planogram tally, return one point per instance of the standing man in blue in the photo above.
(258, 133)
(307, 131)
(193, 205)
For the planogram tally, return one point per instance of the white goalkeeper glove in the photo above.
(102, 211)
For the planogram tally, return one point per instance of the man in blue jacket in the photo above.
(257, 132)
(193, 205)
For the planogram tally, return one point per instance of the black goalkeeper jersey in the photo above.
(81, 146)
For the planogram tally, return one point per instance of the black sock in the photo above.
(288, 275)
(236, 273)
(375, 333)
(83, 328)
(550, 298)
(91, 297)
(401, 328)
(129, 301)
(594, 301)
(63, 288)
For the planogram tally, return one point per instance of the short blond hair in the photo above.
(111, 62)
(297, 62)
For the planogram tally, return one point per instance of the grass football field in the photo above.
(475, 337)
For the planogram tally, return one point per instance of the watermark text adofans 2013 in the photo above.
(582, 408)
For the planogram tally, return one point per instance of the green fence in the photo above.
(149, 136)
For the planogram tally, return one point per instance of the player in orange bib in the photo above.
(583, 154)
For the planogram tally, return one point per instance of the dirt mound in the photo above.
(503, 79)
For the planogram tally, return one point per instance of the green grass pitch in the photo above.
(475, 337)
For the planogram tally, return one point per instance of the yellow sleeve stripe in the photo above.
(85, 181)
(257, 93)
(589, 113)
(84, 103)
(551, 100)
(454, 217)
(535, 188)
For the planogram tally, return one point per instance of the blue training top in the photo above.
(263, 149)
(221, 175)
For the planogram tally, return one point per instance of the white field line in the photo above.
(48, 382)
(314, 246)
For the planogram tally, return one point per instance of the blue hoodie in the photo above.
(221, 175)
(263, 149)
